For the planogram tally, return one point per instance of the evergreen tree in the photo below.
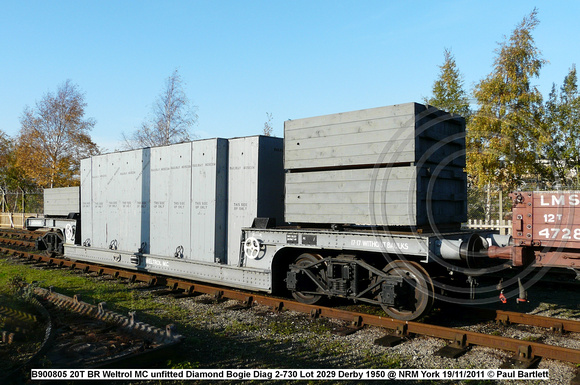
(504, 135)
(562, 130)
(448, 93)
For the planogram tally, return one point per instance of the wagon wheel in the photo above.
(420, 297)
(305, 260)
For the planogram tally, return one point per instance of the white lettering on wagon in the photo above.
(157, 262)
(379, 245)
(559, 200)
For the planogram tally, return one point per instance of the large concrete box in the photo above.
(385, 196)
(130, 189)
(167, 200)
(102, 172)
(114, 200)
(209, 171)
(61, 201)
(188, 200)
(403, 133)
(86, 199)
(170, 199)
(255, 186)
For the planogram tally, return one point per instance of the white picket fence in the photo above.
(504, 227)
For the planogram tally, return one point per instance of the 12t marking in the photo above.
(551, 218)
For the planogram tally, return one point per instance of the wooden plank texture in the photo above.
(404, 133)
(398, 196)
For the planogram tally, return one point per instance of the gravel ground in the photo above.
(259, 338)
(217, 337)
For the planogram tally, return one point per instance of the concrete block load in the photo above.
(188, 201)
(61, 201)
(399, 165)
(255, 186)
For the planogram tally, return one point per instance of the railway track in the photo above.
(27, 336)
(526, 353)
(78, 335)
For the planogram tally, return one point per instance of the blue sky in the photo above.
(241, 59)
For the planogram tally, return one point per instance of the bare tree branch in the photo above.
(268, 125)
(173, 117)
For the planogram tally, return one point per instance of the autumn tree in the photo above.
(17, 191)
(12, 180)
(504, 136)
(54, 137)
(12, 177)
(562, 130)
(6, 148)
(448, 92)
(172, 118)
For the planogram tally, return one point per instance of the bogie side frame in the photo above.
(374, 267)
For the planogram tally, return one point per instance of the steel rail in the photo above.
(19, 234)
(13, 375)
(512, 317)
(359, 319)
(17, 242)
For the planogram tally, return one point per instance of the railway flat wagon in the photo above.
(61, 211)
(350, 205)
(364, 205)
(179, 209)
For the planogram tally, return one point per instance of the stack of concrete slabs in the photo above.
(386, 196)
(255, 186)
(399, 134)
(400, 165)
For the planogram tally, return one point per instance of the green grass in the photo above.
(23, 318)
(120, 297)
(205, 347)
(238, 327)
(532, 338)
(284, 328)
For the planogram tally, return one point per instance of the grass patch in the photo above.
(120, 297)
(284, 328)
(21, 317)
(238, 327)
(531, 338)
